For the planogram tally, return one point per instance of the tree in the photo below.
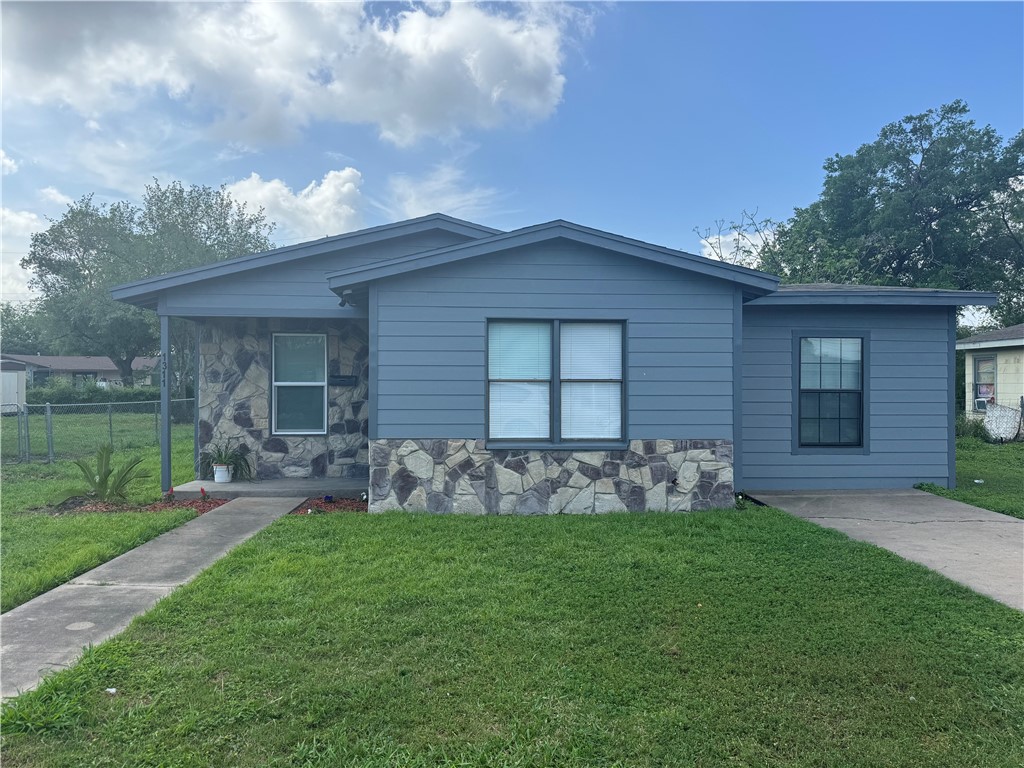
(739, 242)
(91, 248)
(24, 330)
(934, 201)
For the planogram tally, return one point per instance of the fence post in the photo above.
(49, 434)
(110, 422)
(28, 440)
(21, 445)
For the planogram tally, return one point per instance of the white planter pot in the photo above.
(221, 473)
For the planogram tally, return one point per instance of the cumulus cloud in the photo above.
(443, 190)
(16, 228)
(54, 195)
(329, 207)
(263, 71)
(7, 164)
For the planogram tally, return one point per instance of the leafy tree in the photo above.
(934, 201)
(93, 247)
(24, 330)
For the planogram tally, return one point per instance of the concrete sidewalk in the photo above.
(978, 548)
(49, 632)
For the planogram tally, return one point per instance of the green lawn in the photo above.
(1000, 466)
(78, 429)
(39, 551)
(719, 638)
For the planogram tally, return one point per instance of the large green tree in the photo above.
(24, 330)
(934, 201)
(91, 248)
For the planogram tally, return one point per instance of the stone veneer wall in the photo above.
(234, 397)
(462, 476)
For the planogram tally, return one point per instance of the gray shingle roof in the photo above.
(1012, 333)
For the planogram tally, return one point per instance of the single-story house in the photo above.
(994, 368)
(82, 369)
(558, 368)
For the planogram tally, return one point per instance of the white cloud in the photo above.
(329, 207)
(16, 228)
(54, 195)
(266, 70)
(7, 164)
(443, 190)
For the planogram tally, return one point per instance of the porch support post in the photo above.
(165, 403)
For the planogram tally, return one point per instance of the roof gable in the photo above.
(353, 278)
(144, 292)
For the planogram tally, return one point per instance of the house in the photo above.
(558, 368)
(994, 365)
(82, 369)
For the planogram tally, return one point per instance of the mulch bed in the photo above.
(318, 505)
(80, 505)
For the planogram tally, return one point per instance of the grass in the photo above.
(39, 551)
(728, 637)
(76, 434)
(1000, 466)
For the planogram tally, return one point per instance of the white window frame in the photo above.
(275, 384)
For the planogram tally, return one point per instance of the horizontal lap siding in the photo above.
(298, 285)
(431, 329)
(908, 399)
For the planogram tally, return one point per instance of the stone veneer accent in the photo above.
(234, 397)
(462, 476)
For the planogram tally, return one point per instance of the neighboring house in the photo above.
(558, 368)
(994, 366)
(82, 369)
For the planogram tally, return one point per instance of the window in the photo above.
(984, 382)
(831, 407)
(300, 383)
(555, 381)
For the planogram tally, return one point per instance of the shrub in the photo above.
(968, 427)
(105, 483)
(61, 391)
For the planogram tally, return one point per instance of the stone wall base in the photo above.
(462, 476)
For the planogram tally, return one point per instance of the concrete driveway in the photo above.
(978, 548)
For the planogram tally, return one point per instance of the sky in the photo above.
(648, 120)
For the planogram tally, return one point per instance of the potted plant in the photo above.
(225, 463)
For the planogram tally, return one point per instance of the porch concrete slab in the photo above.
(305, 487)
(50, 631)
(981, 549)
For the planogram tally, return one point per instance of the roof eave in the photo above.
(892, 298)
(974, 345)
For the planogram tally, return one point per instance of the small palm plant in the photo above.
(105, 483)
(235, 458)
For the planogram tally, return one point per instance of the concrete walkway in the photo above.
(50, 631)
(978, 548)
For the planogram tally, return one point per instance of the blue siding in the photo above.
(298, 286)
(908, 399)
(430, 330)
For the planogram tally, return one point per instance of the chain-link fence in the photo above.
(56, 431)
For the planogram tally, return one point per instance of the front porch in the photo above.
(300, 487)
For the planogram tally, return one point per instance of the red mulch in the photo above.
(77, 505)
(317, 506)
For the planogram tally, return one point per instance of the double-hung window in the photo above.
(831, 402)
(555, 381)
(984, 382)
(300, 384)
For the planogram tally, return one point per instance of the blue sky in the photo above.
(645, 119)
